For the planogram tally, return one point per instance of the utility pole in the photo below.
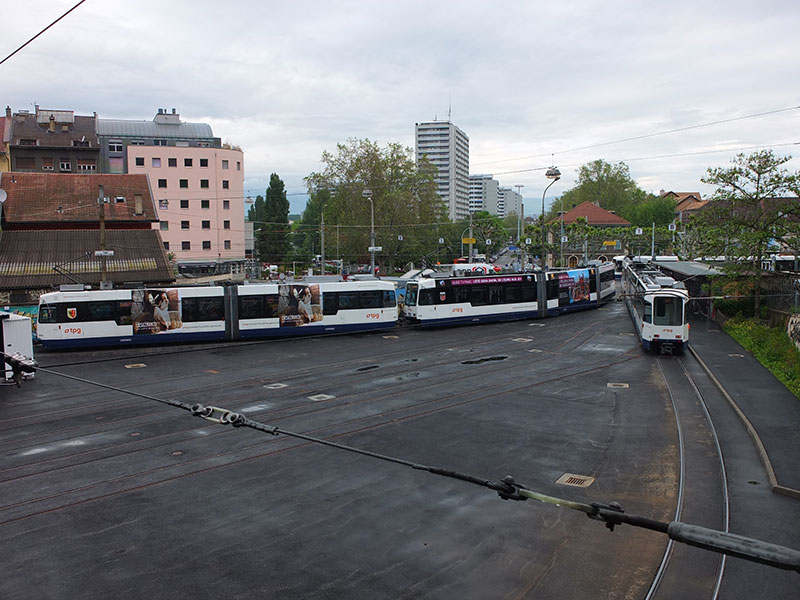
(470, 237)
(101, 203)
(322, 241)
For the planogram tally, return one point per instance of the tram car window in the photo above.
(371, 299)
(330, 303)
(202, 309)
(349, 300)
(478, 295)
(389, 299)
(262, 306)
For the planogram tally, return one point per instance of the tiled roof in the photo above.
(594, 216)
(72, 198)
(28, 257)
(681, 196)
(690, 203)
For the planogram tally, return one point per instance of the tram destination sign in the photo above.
(485, 280)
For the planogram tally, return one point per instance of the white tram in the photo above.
(657, 304)
(456, 298)
(214, 313)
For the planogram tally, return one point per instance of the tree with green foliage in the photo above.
(270, 218)
(750, 215)
(406, 205)
(608, 185)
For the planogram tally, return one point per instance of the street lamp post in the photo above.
(554, 174)
(368, 195)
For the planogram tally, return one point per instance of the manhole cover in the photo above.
(621, 386)
(575, 480)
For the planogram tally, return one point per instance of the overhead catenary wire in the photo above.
(42, 31)
(507, 488)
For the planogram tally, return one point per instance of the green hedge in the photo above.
(772, 347)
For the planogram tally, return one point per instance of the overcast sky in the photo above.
(524, 80)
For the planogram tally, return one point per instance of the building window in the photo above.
(206, 224)
(65, 165)
(184, 183)
(204, 183)
(137, 142)
(115, 146)
(162, 183)
(172, 162)
(184, 204)
(238, 165)
(226, 205)
(225, 184)
(163, 204)
(87, 164)
(184, 225)
(205, 204)
(206, 245)
(47, 164)
(226, 224)
(164, 225)
(26, 163)
(140, 161)
(227, 244)
(204, 162)
(166, 245)
(116, 165)
(225, 165)
(156, 161)
(159, 142)
(186, 245)
(28, 143)
(187, 162)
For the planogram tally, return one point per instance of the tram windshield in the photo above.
(668, 311)
(411, 294)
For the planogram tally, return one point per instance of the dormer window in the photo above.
(28, 143)
(81, 144)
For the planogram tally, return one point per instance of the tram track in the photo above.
(334, 430)
(702, 495)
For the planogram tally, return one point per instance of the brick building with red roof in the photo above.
(597, 217)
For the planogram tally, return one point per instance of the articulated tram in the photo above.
(213, 313)
(454, 298)
(657, 305)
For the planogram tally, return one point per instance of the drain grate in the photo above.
(575, 480)
(620, 386)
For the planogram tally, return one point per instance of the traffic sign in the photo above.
(441, 240)
(638, 231)
(375, 249)
(468, 241)
(104, 253)
(564, 239)
(399, 238)
(672, 227)
(528, 241)
(488, 242)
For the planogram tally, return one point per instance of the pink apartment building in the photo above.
(198, 192)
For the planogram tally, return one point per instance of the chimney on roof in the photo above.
(138, 208)
(173, 111)
(161, 111)
(52, 126)
(8, 112)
